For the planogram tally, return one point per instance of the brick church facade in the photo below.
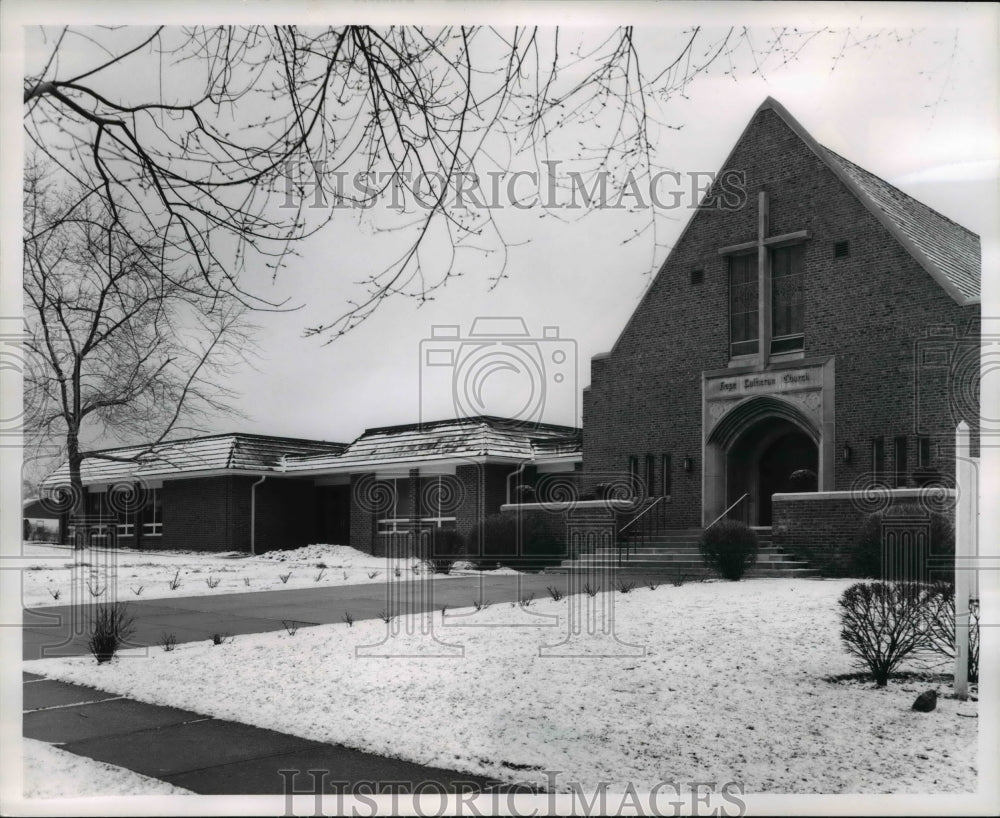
(812, 337)
(819, 334)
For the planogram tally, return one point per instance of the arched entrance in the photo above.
(761, 447)
(763, 461)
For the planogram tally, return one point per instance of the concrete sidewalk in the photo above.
(60, 631)
(214, 757)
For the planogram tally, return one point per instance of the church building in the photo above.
(801, 358)
(817, 334)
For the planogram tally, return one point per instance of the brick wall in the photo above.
(206, 514)
(823, 528)
(871, 310)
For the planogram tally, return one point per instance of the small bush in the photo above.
(867, 559)
(729, 547)
(175, 583)
(446, 546)
(882, 623)
(349, 619)
(138, 591)
(372, 574)
(291, 626)
(246, 581)
(539, 543)
(213, 582)
(55, 593)
(677, 578)
(939, 625)
(110, 629)
(554, 592)
(319, 576)
(385, 616)
(345, 574)
(625, 586)
(591, 590)
(168, 641)
(479, 605)
(397, 572)
(95, 591)
(527, 600)
(652, 585)
(219, 638)
(284, 577)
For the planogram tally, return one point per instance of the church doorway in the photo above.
(773, 455)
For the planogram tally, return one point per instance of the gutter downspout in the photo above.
(253, 515)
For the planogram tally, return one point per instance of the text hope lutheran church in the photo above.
(817, 341)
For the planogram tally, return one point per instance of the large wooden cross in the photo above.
(763, 244)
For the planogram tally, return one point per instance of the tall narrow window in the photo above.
(665, 467)
(743, 292)
(787, 313)
(923, 452)
(899, 444)
(878, 456)
(633, 472)
(650, 476)
(153, 526)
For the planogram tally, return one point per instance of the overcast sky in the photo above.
(920, 111)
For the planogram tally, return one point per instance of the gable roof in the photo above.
(947, 251)
(459, 438)
(234, 452)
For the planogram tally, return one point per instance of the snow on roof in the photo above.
(473, 437)
(227, 452)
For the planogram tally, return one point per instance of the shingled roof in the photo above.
(471, 437)
(952, 249)
(233, 452)
(947, 251)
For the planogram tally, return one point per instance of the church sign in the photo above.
(764, 383)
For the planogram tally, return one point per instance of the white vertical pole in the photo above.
(965, 479)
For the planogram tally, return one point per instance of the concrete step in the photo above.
(672, 565)
(691, 571)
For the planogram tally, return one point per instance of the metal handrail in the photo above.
(724, 513)
(640, 514)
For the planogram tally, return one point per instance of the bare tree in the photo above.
(117, 349)
(219, 140)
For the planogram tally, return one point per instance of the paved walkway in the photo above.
(213, 757)
(57, 631)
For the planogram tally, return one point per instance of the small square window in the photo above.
(697, 276)
(841, 249)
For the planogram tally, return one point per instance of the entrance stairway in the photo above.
(675, 554)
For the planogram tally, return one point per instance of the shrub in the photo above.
(539, 543)
(866, 559)
(349, 619)
(110, 629)
(446, 546)
(882, 623)
(729, 547)
(939, 625)
(291, 625)
(284, 577)
(625, 586)
(168, 641)
(213, 582)
(175, 583)
(219, 638)
(554, 592)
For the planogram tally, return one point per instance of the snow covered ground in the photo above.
(728, 683)
(50, 577)
(50, 772)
